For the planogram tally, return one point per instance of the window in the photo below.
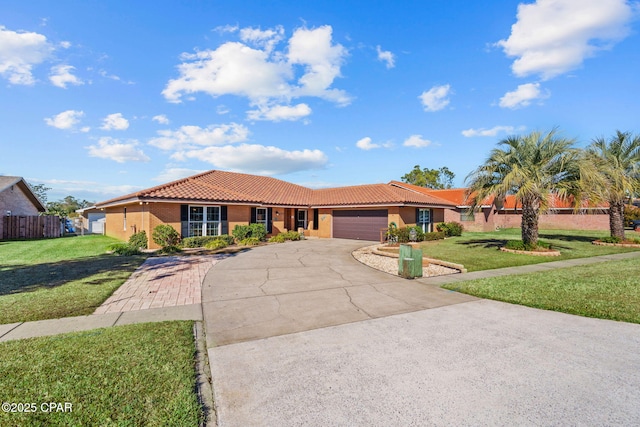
(203, 221)
(124, 220)
(424, 219)
(467, 216)
(261, 217)
(302, 219)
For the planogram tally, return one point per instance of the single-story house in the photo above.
(91, 220)
(214, 202)
(17, 199)
(508, 214)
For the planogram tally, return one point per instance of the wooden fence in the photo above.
(30, 227)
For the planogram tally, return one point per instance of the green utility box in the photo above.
(410, 262)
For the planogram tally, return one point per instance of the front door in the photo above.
(301, 221)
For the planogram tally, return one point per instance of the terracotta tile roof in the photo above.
(230, 187)
(373, 194)
(457, 196)
(223, 186)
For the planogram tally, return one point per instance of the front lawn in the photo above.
(479, 251)
(127, 375)
(52, 278)
(607, 290)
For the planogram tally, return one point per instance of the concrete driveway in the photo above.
(297, 286)
(301, 334)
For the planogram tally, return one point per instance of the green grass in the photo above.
(479, 251)
(607, 290)
(127, 375)
(52, 278)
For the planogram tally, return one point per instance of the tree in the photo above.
(534, 168)
(67, 206)
(40, 190)
(618, 163)
(430, 178)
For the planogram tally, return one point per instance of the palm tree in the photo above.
(618, 163)
(535, 168)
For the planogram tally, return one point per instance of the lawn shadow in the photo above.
(567, 237)
(27, 278)
(484, 243)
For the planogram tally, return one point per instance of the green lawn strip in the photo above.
(127, 375)
(54, 278)
(480, 251)
(606, 290)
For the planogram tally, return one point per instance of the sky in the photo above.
(103, 98)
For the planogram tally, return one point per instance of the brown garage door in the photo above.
(361, 225)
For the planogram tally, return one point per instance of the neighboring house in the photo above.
(17, 199)
(214, 202)
(91, 220)
(490, 217)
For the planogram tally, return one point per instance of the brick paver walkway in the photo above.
(162, 282)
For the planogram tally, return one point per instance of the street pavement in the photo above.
(301, 334)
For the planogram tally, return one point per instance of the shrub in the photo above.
(402, 234)
(197, 241)
(216, 244)
(171, 249)
(249, 241)
(241, 232)
(258, 231)
(291, 235)
(450, 228)
(139, 240)
(631, 213)
(611, 239)
(277, 239)
(125, 249)
(225, 238)
(165, 236)
(436, 235)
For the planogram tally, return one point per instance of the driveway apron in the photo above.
(298, 286)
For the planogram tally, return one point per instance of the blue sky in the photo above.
(102, 98)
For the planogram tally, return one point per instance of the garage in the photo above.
(359, 224)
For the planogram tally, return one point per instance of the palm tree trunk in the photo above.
(529, 223)
(616, 219)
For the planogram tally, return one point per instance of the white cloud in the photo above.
(115, 122)
(366, 144)
(322, 60)
(494, 131)
(386, 57)
(161, 118)
(258, 159)
(552, 37)
(19, 53)
(173, 174)
(65, 44)
(261, 73)
(222, 109)
(190, 137)
(113, 149)
(278, 113)
(61, 76)
(66, 120)
(523, 96)
(92, 188)
(435, 98)
(266, 39)
(416, 141)
(221, 29)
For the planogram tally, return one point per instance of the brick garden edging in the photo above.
(622, 245)
(455, 266)
(534, 253)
